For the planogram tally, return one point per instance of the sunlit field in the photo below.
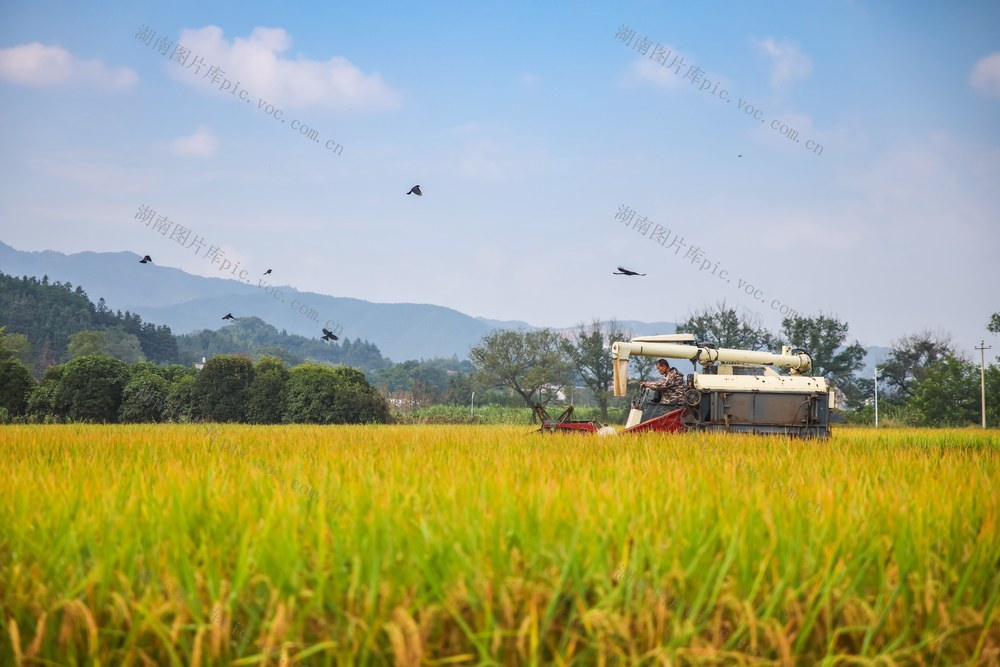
(433, 545)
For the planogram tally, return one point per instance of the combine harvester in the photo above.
(736, 391)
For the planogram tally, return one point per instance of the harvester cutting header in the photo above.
(736, 390)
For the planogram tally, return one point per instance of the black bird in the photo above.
(740, 155)
(267, 272)
(229, 316)
(415, 190)
(146, 260)
(328, 335)
(622, 271)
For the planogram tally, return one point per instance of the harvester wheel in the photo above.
(692, 397)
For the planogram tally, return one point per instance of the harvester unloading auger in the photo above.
(736, 390)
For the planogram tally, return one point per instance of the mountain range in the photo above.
(189, 303)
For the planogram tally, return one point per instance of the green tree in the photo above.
(324, 395)
(16, 385)
(949, 394)
(727, 328)
(44, 311)
(181, 406)
(427, 381)
(222, 388)
(993, 326)
(360, 404)
(280, 353)
(143, 366)
(524, 361)
(590, 351)
(312, 390)
(16, 346)
(357, 401)
(825, 339)
(122, 345)
(908, 363)
(268, 391)
(459, 389)
(46, 359)
(86, 344)
(144, 399)
(42, 401)
(91, 389)
(174, 372)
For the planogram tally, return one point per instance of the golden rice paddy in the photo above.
(463, 545)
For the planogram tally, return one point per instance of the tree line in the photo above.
(229, 388)
(924, 381)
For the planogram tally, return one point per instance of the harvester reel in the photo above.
(693, 397)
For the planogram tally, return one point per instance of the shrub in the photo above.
(16, 385)
(180, 400)
(144, 399)
(222, 388)
(323, 395)
(91, 389)
(268, 391)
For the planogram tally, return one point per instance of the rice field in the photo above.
(469, 545)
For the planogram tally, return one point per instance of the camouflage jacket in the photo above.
(673, 387)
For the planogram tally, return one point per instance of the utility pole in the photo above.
(876, 396)
(982, 376)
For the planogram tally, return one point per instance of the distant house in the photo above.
(200, 365)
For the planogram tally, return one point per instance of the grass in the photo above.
(407, 545)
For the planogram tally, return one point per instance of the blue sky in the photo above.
(528, 126)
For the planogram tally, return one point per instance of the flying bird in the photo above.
(622, 271)
(328, 335)
(415, 190)
(146, 260)
(267, 272)
(229, 316)
(740, 155)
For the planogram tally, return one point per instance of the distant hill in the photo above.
(253, 336)
(189, 304)
(49, 314)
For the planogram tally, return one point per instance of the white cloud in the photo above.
(985, 75)
(788, 61)
(256, 64)
(36, 64)
(201, 144)
(644, 70)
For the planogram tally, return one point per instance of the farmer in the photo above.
(670, 388)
